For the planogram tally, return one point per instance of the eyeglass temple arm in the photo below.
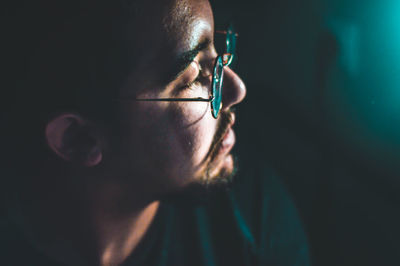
(225, 32)
(171, 99)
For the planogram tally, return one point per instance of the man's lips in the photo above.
(226, 137)
(228, 140)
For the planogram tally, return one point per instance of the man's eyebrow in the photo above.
(184, 59)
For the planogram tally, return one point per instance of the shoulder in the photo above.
(10, 240)
(15, 249)
(267, 214)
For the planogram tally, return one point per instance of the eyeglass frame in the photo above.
(226, 59)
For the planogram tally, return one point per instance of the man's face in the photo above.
(169, 145)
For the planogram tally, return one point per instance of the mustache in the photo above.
(223, 126)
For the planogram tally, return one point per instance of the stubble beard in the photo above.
(215, 177)
(216, 173)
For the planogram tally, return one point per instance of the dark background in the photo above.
(323, 110)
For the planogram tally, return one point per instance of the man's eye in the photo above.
(197, 81)
(200, 82)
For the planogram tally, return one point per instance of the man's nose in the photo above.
(233, 91)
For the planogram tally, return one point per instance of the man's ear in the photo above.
(70, 137)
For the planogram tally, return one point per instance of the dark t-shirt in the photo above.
(253, 223)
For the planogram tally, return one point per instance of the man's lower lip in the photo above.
(228, 141)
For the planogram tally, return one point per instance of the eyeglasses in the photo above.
(217, 79)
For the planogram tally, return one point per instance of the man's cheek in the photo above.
(194, 129)
(193, 113)
(202, 140)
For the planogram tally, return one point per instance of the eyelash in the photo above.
(190, 84)
(197, 79)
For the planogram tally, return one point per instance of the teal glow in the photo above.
(363, 88)
(347, 36)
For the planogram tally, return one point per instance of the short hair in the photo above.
(61, 56)
(67, 52)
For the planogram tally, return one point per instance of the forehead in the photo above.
(161, 34)
(187, 21)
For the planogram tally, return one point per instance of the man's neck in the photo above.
(87, 230)
(117, 238)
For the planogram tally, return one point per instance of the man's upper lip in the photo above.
(233, 117)
(230, 125)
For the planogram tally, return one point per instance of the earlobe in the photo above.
(70, 138)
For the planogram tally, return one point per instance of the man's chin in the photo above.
(220, 172)
(218, 177)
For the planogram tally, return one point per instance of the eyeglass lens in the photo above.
(217, 86)
(221, 61)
